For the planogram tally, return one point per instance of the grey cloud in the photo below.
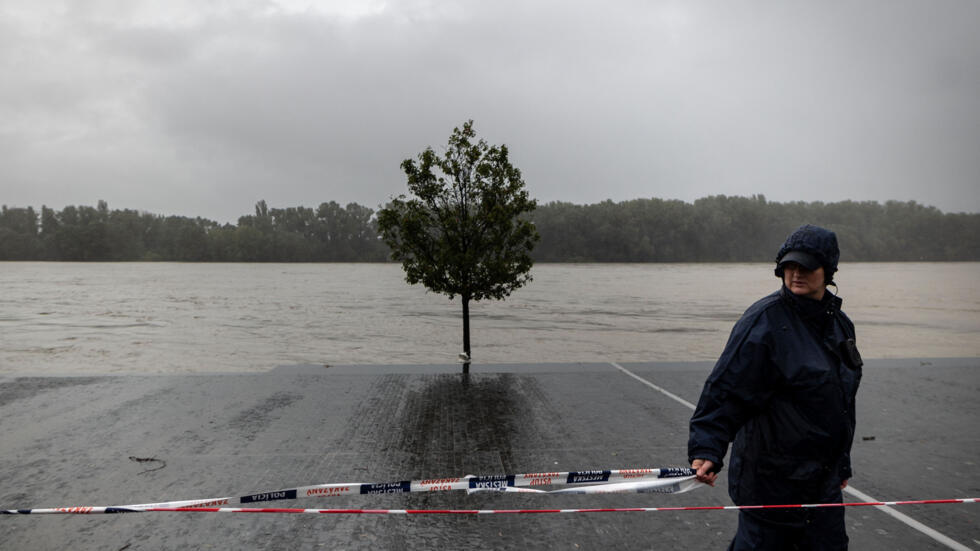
(866, 101)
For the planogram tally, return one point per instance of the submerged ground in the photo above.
(110, 440)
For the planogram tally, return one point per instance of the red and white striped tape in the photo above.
(102, 510)
(666, 481)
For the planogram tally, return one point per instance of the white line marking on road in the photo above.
(932, 533)
(907, 520)
(663, 391)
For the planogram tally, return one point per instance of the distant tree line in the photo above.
(329, 233)
(748, 229)
(712, 229)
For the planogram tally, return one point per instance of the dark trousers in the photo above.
(791, 529)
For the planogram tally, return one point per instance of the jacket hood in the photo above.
(818, 242)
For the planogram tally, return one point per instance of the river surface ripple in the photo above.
(86, 318)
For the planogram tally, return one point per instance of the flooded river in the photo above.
(84, 318)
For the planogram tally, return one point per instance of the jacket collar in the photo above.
(816, 311)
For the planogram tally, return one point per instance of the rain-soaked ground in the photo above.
(110, 440)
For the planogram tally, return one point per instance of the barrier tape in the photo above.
(668, 481)
(100, 510)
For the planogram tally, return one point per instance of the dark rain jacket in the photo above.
(783, 390)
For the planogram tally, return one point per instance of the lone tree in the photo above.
(462, 230)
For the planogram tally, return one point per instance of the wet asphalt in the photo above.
(110, 440)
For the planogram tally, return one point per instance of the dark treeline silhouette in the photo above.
(330, 233)
(712, 229)
(748, 229)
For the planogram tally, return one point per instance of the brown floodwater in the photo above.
(86, 318)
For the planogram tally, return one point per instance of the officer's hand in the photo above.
(704, 468)
(843, 484)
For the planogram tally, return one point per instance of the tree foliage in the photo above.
(748, 229)
(330, 233)
(464, 230)
(712, 229)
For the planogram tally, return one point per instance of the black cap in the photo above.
(806, 260)
(816, 246)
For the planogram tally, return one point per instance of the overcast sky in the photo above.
(204, 107)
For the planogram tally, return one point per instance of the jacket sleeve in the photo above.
(846, 472)
(739, 387)
(844, 463)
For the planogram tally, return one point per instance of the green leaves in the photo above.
(463, 230)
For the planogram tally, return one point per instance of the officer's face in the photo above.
(803, 282)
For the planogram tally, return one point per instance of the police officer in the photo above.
(782, 393)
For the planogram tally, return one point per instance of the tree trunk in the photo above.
(466, 333)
